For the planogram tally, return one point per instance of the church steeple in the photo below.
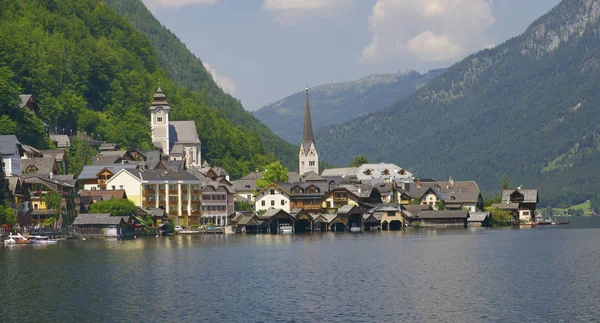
(308, 156)
(307, 135)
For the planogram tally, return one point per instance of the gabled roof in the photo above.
(529, 195)
(342, 172)
(90, 172)
(350, 209)
(99, 219)
(478, 216)
(24, 100)
(183, 132)
(505, 206)
(311, 176)
(58, 154)
(61, 140)
(38, 166)
(108, 146)
(8, 143)
(244, 185)
(443, 214)
(285, 190)
(104, 194)
(270, 213)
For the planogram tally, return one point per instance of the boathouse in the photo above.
(443, 219)
(478, 219)
(351, 216)
(274, 218)
(303, 221)
(100, 225)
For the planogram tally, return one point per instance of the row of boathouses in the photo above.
(353, 218)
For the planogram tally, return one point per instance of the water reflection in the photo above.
(474, 274)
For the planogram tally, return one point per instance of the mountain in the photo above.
(337, 102)
(91, 71)
(189, 72)
(527, 109)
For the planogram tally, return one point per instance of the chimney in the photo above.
(51, 175)
(418, 183)
(519, 187)
(451, 180)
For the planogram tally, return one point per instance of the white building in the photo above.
(11, 151)
(177, 139)
(272, 197)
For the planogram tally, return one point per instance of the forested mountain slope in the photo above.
(337, 102)
(528, 108)
(187, 70)
(90, 70)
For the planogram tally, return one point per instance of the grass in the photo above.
(585, 206)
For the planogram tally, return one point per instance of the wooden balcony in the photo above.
(184, 192)
(148, 192)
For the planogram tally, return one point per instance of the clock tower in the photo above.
(309, 157)
(159, 121)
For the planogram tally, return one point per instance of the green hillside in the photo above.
(91, 71)
(338, 102)
(187, 70)
(528, 109)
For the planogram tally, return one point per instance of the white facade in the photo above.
(12, 164)
(308, 158)
(272, 197)
(159, 123)
(123, 180)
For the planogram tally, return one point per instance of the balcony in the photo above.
(184, 192)
(161, 192)
(148, 192)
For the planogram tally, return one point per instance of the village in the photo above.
(175, 191)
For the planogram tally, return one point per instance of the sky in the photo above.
(261, 51)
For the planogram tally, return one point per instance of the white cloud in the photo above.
(225, 83)
(427, 30)
(155, 4)
(288, 11)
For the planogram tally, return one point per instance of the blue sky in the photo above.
(263, 50)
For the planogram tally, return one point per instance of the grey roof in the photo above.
(106, 160)
(159, 100)
(529, 195)
(24, 99)
(58, 154)
(61, 140)
(152, 158)
(163, 175)
(99, 219)
(183, 132)
(119, 153)
(44, 166)
(244, 185)
(307, 133)
(443, 214)
(247, 220)
(478, 216)
(31, 150)
(383, 170)
(360, 190)
(342, 172)
(322, 186)
(154, 211)
(8, 143)
(347, 209)
(311, 176)
(13, 182)
(89, 172)
(450, 191)
(293, 177)
(505, 206)
(271, 213)
(253, 176)
(108, 146)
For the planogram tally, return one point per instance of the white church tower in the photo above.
(309, 158)
(159, 122)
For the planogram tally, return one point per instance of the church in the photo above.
(309, 157)
(178, 140)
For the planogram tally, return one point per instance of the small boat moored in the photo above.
(41, 240)
(285, 229)
(16, 239)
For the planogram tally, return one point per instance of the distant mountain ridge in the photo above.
(337, 102)
(528, 109)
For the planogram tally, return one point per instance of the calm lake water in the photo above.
(469, 275)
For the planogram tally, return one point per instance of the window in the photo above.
(93, 188)
(311, 163)
(159, 119)
(525, 212)
(113, 187)
(35, 206)
(272, 192)
(262, 203)
(120, 187)
(302, 163)
(248, 197)
(273, 203)
(282, 202)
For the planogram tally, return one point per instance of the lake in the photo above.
(466, 275)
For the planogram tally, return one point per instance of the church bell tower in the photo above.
(309, 158)
(159, 121)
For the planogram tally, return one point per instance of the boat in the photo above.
(285, 229)
(354, 228)
(16, 239)
(41, 240)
